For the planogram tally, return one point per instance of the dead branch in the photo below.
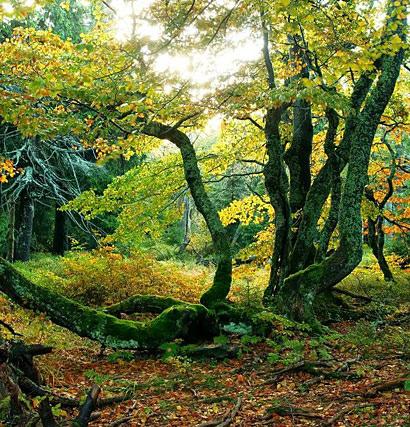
(9, 328)
(345, 411)
(87, 408)
(389, 385)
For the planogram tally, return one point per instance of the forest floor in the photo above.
(356, 374)
(178, 392)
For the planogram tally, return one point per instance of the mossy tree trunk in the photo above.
(336, 185)
(376, 237)
(297, 294)
(277, 186)
(276, 179)
(303, 249)
(220, 238)
(190, 322)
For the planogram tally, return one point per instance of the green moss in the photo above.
(143, 304)
(4, 408)
(221, 285)
(186, 321)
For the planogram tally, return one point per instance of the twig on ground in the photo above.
(120, 421)
(292, 411)
(9, 328)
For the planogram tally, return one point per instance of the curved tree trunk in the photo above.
(333, 215)
(220, 239)
(277, 186)
(187, 321)
(376, 242)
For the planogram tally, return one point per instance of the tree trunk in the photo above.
(277, 186)
(220, 239)
(297, 157)
(376, 242)
(190, 322)
(297, 295)
(333, 215)
(319, 191)
(186, 224)
(11, 235)
(60, 241)
(25, 230)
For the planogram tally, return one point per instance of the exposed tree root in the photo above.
(352, 295)
(226, 419)
(385, 386)
(285, 410)
(187, 321)
(143, 304)
(345, 411)
(9, 328)
(322, 369)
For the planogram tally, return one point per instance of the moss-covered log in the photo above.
(143, 304)
(189, 321)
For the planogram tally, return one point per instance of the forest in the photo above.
(204, 213)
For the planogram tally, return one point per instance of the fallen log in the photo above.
(190, 322)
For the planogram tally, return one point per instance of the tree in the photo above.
(309, 67)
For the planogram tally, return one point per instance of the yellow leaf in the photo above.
(65, 5)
